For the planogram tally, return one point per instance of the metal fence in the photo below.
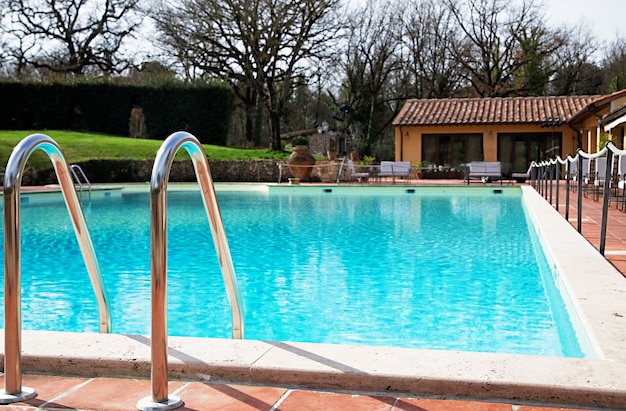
(602, 174)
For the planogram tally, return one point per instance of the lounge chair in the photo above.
(522, 177)
(361, 177)
(585, 171)
(588, 176)
(594, 179)
(573, 174)
(620, 188)
(395, 169)
(485, 171)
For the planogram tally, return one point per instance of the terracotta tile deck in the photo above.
(80, 393)
(118, 394)
(591, 221)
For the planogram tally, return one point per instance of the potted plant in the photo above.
(301, 161)
(422, 169)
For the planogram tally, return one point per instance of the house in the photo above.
(329, 142)
(512, 130)
(613, 124)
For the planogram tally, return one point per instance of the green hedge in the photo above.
(203, 110)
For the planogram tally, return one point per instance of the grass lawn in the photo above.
(79, 147)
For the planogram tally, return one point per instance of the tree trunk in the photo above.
(275, 131)
(258, 124)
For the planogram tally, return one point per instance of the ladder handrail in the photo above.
(158, 264)
(343, 160)
(73, 169)
(12, 251)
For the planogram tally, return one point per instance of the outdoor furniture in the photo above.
(620, 187)
(585, 172)
(360, 176)
(600, 175)
(395, 169)
(588, 176)
(573, 174)
(522, 177)
(485, 171)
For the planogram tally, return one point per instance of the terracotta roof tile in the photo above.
(468, 111)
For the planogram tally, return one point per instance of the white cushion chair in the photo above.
(360, 176)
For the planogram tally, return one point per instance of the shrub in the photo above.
(299, 141)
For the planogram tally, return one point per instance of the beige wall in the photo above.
(591, 130)
(617, 133)
(618, 136)
(618, 102)
(409, 139)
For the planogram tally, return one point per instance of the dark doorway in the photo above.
(452, 150)
(517, 150)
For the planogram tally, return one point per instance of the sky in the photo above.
(603, 17)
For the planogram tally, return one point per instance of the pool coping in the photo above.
(595, 287)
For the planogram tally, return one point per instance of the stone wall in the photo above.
(125, 171)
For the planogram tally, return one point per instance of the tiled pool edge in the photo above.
(596, 289)
(449, 374)
(597, 383)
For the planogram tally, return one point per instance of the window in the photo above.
(516, 151)
(452, 149)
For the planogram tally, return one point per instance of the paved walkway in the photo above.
(591, 221)
(79, 393)
(118, 394)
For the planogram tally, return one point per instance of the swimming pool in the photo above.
(330, 265)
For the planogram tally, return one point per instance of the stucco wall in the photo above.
(409, 138)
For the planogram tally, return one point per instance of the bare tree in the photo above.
(259, 45)
(614, 66)
(428, 37)
(577, 72)
(3, 58)
(372, 66)
(489, 53)
(535, 60)
(70, 36)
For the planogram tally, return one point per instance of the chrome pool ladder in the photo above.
(13, 390)
(158, 259)
(76, 170)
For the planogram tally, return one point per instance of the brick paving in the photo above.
(591, 221)
(120, 394)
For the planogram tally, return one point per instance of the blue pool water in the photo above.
(426, 269)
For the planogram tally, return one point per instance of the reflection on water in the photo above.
(436, 271)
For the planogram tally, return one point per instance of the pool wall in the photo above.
(579, 271)
(564, 307)
(52, 197)
(478, 191)
(596, 289)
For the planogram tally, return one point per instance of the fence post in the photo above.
(567, 187)
(606, 197)
(557, 176)
(579, 218)
(546, 172)
(542, 177)
(551, 178)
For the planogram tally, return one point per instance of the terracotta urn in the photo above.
(301, 162)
